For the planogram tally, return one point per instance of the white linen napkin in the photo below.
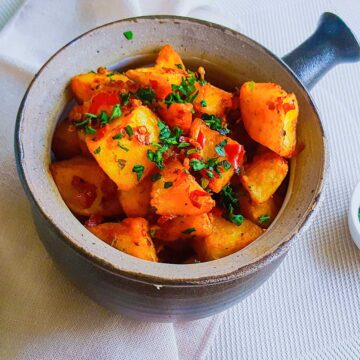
(310, 308)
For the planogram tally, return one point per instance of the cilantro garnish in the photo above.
(156, 177)
(179, 66)
(122, 147)
(251, 85)
(214, 123)
(189, 231)
(203, 103)
(125, 97)
(183, 93)
(118, 136)
(220, 148)
(146, 95)
(263, 219)
(97, 150)
(104, 118)
(168, 184)
(229, 201)
(129, 130)
(116, 112)
(128, 35)
(211, 165)
(90, 130)
(139, 170)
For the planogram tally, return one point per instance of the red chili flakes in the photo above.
(194, 197)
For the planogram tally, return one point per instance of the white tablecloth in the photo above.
(309, 309)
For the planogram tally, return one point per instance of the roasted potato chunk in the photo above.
(226, 238)
(66, 143)
(214, 144)
(177, 193)
(130, 236)
(169, 58)
(264, 175)
(184, 227)
(270, 116)
(84, 86)
(121, 147)
(85, 188)
(177, 115)
(261, 214)
(212, 100)
(136, 202)
(160, 79)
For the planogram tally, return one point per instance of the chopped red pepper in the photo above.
(235, 154)
(201, 139)
(194, 197)
(102, 100)
(164, 218)
(217, 211)
(288, 106)
(101, 133)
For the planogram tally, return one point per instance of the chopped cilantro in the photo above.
(90, 130)
(104, 118)
(183, 145)
(152, 232)
(220, 148)
(116, 112)
(184, 93)
(125, 97)
(122, 147)
(251, 85)
(146, 95)
(214, 123)
(189, 231)
(129, 130)
(168, 184)
(179, 66)
(92, 116)
(128, 35)
(156, 177)
(97, 150)
(139, 170)
(229, 201)
(191, 151)
(197, 165)
(203, 103)
(263, 219)
(202, 82)
(118, 136)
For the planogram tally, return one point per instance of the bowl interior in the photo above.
(229, 59)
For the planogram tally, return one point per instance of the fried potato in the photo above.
(177, 193)
(270, 116)
(66, 143)
(130, 236)
(212, 100)
(84, 86)
(160, 79)
(233, 151)
(184, 227)
(85, 188)
(264, 175)
(136, 202)
(261, 214)
(226, 238)
(177, 115)
(119, 158)
(169, 58)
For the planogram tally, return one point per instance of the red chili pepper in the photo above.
(154, 84)
(102, 99)
(235, 154)
(194, 197)
(195, 156)
(201, 139)
(217, 211)
(94, 219)
(164, 218)
(101, 133)
(288, 106)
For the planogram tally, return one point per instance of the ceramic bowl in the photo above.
(168, 292)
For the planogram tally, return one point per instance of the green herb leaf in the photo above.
(183, 145)
(197, 165)
(90, 130)
(168, 184)
(129, 130)
(202, 82)
(128, 35)
(104, 118)
(237, 219)
(251, 85)
(188, 231)
(191, 151)
(183, 93)
(139, 170)
(220, 148)
(97, 150)
(125, 97)
(152, 233)
(116, 112)
(263, 219)
(179, 66)
(214, 123)
(122, 147)
(92, 116)
(118, 136)
(203, 103)
(156, 177)
(146, 95)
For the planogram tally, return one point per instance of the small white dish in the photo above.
(354, 216)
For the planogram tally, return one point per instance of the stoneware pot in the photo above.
(168, 292)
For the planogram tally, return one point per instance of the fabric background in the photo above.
(309, 309)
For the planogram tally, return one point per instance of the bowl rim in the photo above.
(242, 271)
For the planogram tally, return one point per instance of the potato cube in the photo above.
(261, 214)
(183, 227)
(169, 58)
(177, 115)
(214, 143)
(226, 238)
(136, 202)
(85, 188)
(264, 175)
(178, 193)
(270, 116)
(125, 160)
(130, 236)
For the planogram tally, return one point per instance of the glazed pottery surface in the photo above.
(137, 288)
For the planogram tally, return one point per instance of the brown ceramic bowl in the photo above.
(157, 291)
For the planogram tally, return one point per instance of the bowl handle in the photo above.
(331, 43)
